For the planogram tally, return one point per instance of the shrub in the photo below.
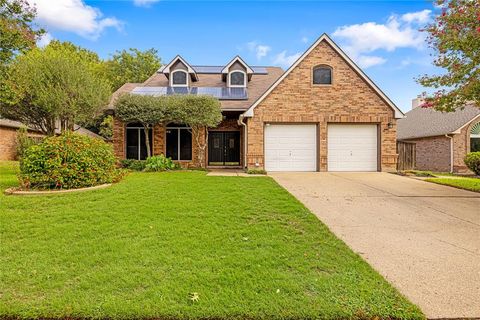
(24, 141)
(472, 160)
(256, 171)
(68, 161)
(132, 164)
(160, 163)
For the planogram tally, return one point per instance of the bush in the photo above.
(68, 161)
(256, 171)
(160, 163)
(472, 160)
(132, 164)
(24, 141)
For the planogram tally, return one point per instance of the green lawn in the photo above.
(140, 248)
(472, 184)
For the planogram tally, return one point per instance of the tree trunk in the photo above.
(201, 146)
(147, 140)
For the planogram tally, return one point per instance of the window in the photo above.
(179, 142)
(179, 78)
(475, 138)
(322, 75)
(135, 141)
(237, 79)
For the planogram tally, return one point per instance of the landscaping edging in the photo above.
(16, 192)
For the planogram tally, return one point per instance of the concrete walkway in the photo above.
(422, 237)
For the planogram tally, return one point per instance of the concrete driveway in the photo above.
(422, 237)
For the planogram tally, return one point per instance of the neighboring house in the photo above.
(442, 139)
(322, 114)
(8, 137)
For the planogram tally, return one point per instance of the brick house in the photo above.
(441, 139)
(322, 114)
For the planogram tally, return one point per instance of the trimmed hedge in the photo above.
(68, 161)
(472, 160)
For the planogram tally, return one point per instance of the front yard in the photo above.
(472, 184)
(154, 243)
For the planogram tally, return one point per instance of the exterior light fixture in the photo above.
(390, 125)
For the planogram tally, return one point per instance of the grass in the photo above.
(472, 184)
(146, 246)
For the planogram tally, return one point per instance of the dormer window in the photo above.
(179, 78)
(237, 79)
(322, 75)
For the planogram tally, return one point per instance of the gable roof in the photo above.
(237, 58)
(426, 122)
(190, 70)
(260, 82)
(325, 37)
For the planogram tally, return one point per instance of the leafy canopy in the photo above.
(55, 83)
(131, 66)
(455, 37)
(17, 30)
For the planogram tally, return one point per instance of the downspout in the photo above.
(240, 122)
(451, 152)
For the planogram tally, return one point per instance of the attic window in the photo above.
(237, 79)
(322, 75)
(179, 78)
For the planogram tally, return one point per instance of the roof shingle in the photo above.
(426, 122)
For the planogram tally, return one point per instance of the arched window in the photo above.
(179, 78)
(475, 138)
(136, 147)
(237, 78)
(322, 75)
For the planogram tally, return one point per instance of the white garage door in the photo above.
(352, 147)
(291, 147)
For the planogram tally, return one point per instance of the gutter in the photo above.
(244, 125)
(451, 152)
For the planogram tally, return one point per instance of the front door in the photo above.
(224, 148)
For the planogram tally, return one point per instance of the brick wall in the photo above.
(8, 142)
(432, 153)
(348, 100)
(461, 148)
(159, 146)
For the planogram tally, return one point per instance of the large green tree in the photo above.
(18, 33)
(147, 110)
(54, 85)
(199, 113)
(455, 37)
(131, 65)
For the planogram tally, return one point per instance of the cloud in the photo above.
(285, 61)
(398, 32)
(417, 17)
(369, 61)
(44, 40)
(305, 39)
(74, 16)
(144, 3)
(259, 49)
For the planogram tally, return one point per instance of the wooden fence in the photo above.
(406, 155)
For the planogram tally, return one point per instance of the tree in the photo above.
(53, 84)
(18, 33)
(147, 110)
(455, 37)
(131, 66)
(198, 113)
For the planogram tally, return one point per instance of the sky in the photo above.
(382, 37)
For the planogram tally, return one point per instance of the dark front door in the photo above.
(224, 148)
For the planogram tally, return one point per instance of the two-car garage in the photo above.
(295, 147)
